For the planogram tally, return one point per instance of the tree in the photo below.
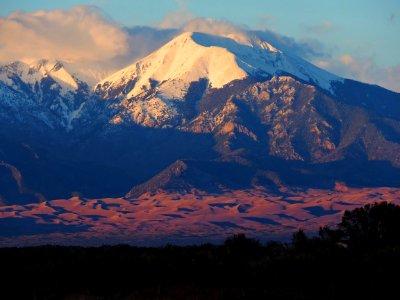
(376, 224)
(241, 245)
(328, 234)
(299, 239)
(240, 240)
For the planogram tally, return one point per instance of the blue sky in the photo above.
(363, 35)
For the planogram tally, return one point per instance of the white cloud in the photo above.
(82, 33)
(96, 46)
(83, 37)
(214, 27)
(211, 26)
(304, 48)
(184, 21)
(177, 18)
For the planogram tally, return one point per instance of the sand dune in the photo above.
(181, 218)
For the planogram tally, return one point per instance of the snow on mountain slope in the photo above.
(151, 90)
(174, 66)
(35, 72)
(44, 90)
(193, 55)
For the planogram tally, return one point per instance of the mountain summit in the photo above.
(192, 56)
(203, 112)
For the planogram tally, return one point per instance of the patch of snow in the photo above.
(73, 115)
(61, 76)
(152, 112)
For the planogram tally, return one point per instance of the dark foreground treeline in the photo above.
(360, 259)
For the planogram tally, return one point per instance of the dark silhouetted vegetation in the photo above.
(360, 259)
(372, 225)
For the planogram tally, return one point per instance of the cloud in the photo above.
(96, 46)
(143, 40)
(215, 27)
(319, 29)
(363, 69)
(177, 18)
(183, 20)
(305, 48)
(265, 21)
(82, 33)
(90, 43)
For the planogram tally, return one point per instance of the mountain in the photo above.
(42, 94)
(153, 90)
(202, 113)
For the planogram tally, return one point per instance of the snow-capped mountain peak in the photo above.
(43, 90)
(151, 90)
(193, 55)
(57, 71)
(34, 72)
(175, 65)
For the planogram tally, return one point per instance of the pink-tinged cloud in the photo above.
(82, 33)
(96, 46)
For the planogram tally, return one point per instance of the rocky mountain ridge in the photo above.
(218, 106)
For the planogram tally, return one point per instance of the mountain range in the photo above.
(202, 114)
